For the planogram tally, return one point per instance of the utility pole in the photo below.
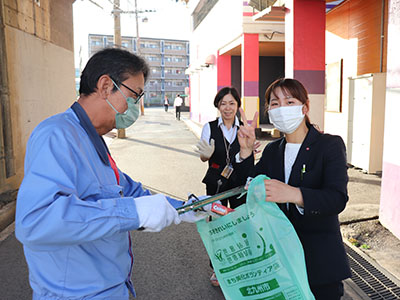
(117, 42)
(138, 52)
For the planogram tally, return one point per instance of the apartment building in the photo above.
(167, 60)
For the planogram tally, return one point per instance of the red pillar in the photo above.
(250, 74)
(305, 50)
(223, 71)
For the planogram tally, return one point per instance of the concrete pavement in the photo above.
(173, 264)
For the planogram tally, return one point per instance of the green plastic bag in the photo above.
(255, 251)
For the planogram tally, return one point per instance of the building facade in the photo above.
(239, 52)
(344, 52)
(167, 59)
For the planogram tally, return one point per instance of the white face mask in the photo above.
(286, 118)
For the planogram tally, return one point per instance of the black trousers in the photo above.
(178, 112)
(333, 291)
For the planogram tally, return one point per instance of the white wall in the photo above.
(220, 27)
(360, 123)
(337, 48)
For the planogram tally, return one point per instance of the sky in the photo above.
(170, 21)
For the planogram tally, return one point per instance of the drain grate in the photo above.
(369, 279)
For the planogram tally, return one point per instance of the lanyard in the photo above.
(227, 148)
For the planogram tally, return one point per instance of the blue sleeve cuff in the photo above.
(175, 203)
(127, 214)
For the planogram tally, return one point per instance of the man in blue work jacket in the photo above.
(75, 208)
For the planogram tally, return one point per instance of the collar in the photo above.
(312, 135)
(94, 137)
(235, 123)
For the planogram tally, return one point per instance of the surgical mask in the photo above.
(286, 118)
(127, 118)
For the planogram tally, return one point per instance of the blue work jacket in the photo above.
(72, 217)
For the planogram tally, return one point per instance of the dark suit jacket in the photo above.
(323, 184)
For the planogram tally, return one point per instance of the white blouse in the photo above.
(291, 151)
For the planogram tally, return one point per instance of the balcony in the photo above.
(156, 75)
(153, 63)
(145, 50)
(181, 64)
(175, 51)
(175, 76)
(175, 89)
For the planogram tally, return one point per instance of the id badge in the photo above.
(227, 171)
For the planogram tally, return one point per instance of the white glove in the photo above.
(194, 216)
(204, 149)
(155, 212)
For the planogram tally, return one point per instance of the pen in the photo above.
(303, 170)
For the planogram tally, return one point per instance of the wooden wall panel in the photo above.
(361, 20)
(62, 33)
(50, 20)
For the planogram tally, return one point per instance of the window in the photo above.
(152, 45)
(110, 41)
(126, 45)
(77, 73)
(168, 58)
(334, 74)
(178, 83)
(177, 47)
(174, 71)
(96, 43)
(152, 58)
(173, 46)
(178, 59)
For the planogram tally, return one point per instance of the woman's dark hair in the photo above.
(289, 87)
(117, 63)
(225, 91)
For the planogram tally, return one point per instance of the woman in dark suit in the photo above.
(308, 174)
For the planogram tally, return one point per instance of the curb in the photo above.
(194, 127)
(7, 215)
